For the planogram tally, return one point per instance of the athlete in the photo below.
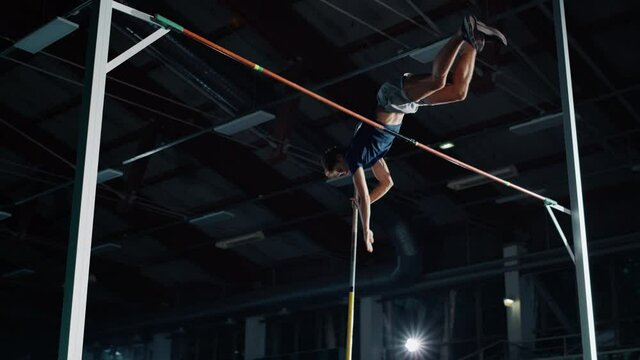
(405, 96)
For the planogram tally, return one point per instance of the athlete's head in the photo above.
(334, 163)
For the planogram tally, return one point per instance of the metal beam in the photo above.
(583, 277)
(81, 227)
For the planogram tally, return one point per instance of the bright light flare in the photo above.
(413, 344)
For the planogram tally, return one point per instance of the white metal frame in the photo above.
(81, 228)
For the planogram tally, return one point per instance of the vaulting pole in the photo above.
(161, 20)
(352, 278)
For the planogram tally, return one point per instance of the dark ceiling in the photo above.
(268, 177)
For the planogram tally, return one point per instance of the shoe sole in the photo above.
(489, 31)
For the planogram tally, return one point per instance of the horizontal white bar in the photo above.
(136, 48)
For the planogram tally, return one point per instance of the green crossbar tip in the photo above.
(550, 202)
(163, 21)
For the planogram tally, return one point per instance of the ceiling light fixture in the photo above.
(244, 123)
(212, 218)
(46, 35)
(240, 240)
(446, 145)
(108, 174)
(4, 215)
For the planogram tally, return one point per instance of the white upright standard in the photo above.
(84, 191)
(583, 279)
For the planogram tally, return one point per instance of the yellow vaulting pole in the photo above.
(352, 286)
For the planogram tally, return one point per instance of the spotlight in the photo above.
(508, 302)
(446, 145)
(413, 344)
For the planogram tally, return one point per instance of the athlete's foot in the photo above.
(474, 31)
(490, 31)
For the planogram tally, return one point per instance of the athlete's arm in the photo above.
(364, 204)
(385, 182)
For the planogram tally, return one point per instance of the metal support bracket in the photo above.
(115, 62)
(564, 238)
(554, 204)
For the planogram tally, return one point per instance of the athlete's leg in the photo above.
(470, 38)
(418, 87)
(462, 74)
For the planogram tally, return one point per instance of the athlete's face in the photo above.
(340, 169)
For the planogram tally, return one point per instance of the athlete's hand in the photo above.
(368, 240)
(368, 234)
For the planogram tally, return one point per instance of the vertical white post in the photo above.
(371, 327)
(255, 337)
(514, 313)
(589, 350)
(79, 248)
(521, 314)
(161, 349)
